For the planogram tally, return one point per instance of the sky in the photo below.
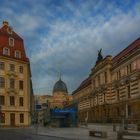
(64, 36)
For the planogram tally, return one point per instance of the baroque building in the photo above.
(15, 80)
(46, 103)
(60, 95)
(60, 115)
(112, 90)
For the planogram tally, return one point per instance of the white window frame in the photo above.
(11, 41)
(6, 51)
(19, 54)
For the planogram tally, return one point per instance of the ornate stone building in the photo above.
(58, 100)
(112, 90)
(15, 80)
(125, 96)
(60, 95)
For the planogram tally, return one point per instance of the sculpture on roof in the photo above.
(100, 57)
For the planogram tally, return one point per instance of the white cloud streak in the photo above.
(70, 44)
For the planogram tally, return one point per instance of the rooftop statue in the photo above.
(100, 57)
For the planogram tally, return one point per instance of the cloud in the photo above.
(66, 35)
(72, 47)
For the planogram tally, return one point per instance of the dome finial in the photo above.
(60, 75)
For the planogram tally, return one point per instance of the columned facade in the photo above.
(114, 88)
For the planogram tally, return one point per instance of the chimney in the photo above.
(5, 23)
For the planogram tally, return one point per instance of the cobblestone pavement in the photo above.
(77, 133)
(48, 133)
(82, 132)
(24, 134)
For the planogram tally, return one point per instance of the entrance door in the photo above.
(12, 119)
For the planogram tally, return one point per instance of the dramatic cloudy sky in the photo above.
(65, 35)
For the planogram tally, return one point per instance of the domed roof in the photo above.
(60, 86)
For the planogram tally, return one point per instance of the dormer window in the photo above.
(9, 29)
(6, 51)
(11, 41)
(17, 54)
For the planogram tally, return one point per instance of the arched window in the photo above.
(17, 54)
(6, 51)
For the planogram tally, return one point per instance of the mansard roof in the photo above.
(7, 32)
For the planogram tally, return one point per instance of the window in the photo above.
(128, 91)
(94, 83)
(98, 80)
(2, 82)
(127, 69)
(6, 51)
(21, 85)
(129, 110)
(122, 72)
(21, 118)
(104, 112)
(1, 65)
(118, 75)
(102, 79)
(134, 65)
(12, 67)
(2, 117)
(12, 83)
(114, 76)
(20, 101)
(11, 41)
(105, 77)
(118, 111)
(102, 75)
(118, 95)
(2, 100)
(12, 100)
(21, 69)
(17, 54)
